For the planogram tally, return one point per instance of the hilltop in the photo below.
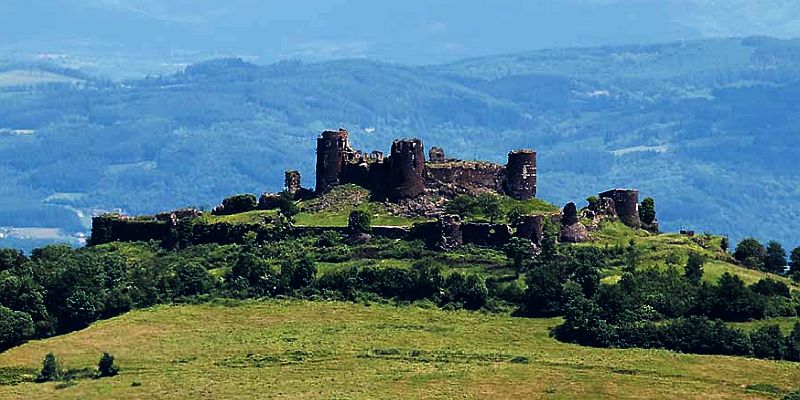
(707, 127)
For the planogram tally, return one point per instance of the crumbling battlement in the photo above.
(626, 205)
(404, 173)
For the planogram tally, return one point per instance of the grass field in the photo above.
(298, 349)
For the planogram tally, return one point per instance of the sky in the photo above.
(408, 31)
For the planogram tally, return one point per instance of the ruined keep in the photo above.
(406, 169)
(404, 173)
(521, 174)
(332, 148)
(626, 205)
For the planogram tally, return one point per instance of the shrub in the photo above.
(237, 204)
(593, 202)
(287, 206)
(359, 222)
(51, 369)
(298, 273)
(106, 366)
(792, 396)
(469, 292)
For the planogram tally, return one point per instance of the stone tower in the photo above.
(332, 148)
(292, 182)
(406, 169)
(626, 204)
(521, 174)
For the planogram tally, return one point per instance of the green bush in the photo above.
(51, 369)
(237, 204)
(106, 366)
(751, 253)
(359, 222)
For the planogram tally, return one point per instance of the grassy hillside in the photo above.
(295, 349)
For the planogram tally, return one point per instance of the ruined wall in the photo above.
(626, 205)
(291, 182)
(452, 178)
(521, 174)
(406, 168)
(531, 227)
(115, 228)
(483, 234)
(332, 150)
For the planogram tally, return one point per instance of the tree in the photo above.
(768, 342)
(751, 253)
(237, 204)
(550, 233)
(593, 202)
(190, 279)
(647, 211)
(106, 366)
(287, 206)
(518, 249)
(359, 222)
(775, 259)
(464, 206)
(15, 327)
(793, 343)
(490, 207)
(81, 309)
(794, 263)
(724, 244)
(10, 259)
(51, 369)
(694, 268)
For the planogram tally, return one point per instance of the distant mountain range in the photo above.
(708, 128)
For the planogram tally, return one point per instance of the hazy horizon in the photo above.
(138, 37)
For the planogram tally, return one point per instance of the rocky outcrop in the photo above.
(572, 230)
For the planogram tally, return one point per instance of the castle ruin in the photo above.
(405, 174)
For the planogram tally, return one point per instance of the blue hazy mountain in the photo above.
(131, 38)
(708, 128)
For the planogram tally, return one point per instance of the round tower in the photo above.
(406, 168)
(331, 149)
(521, 174)
(626, 204)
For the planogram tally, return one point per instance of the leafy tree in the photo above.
(80, 310)
(490, 206)
(770, 287)
(463, 205)
(190, 279)
(287, 206)
(694, 268)
(518, 249)
(751, 253)
(550, 233)
(793, 343)
(775, 259)
(647, 211)
(11, 259)
(106, 366)
(768, 342)
(15, 327)
(732, 300)
(51, 369)
(794, 259)
(359, 222)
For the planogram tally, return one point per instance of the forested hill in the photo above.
(707, 128)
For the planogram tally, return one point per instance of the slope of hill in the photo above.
(296, 349)
(707, 128)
